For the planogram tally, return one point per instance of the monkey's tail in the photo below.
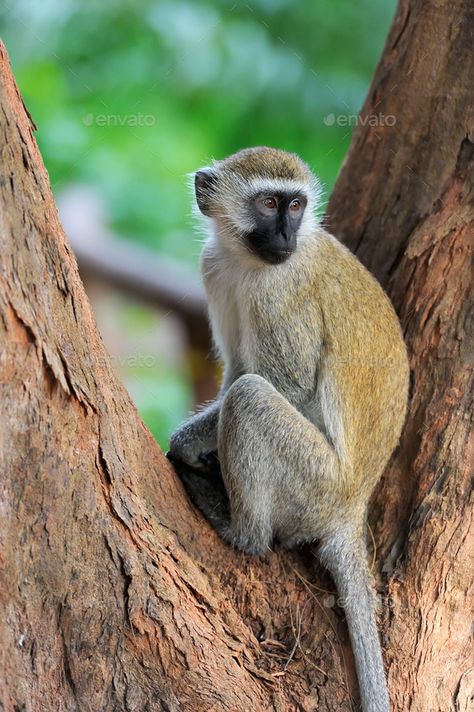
(345, 556)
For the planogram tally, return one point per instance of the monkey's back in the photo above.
(364, 366)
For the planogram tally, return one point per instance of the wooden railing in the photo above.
(155, 280)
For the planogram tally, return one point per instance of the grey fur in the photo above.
(312, 403)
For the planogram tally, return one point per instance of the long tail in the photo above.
(345, 556)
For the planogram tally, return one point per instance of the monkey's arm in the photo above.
(197, 437)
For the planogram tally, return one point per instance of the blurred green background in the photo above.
(131, 96)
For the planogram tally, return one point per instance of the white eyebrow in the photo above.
(270, 185)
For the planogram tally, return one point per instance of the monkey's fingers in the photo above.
(211, 462)
(208, 463)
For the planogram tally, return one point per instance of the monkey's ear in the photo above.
(204, 183)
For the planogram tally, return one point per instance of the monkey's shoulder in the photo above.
(354, 304)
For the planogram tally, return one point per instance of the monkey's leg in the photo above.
(280, 471)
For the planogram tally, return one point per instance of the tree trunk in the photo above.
(117, 595)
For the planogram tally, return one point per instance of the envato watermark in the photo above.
(136, 360)
(129, 120)
(351, 120)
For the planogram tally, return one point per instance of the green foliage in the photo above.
(131, 96)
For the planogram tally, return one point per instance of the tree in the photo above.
(117, 595)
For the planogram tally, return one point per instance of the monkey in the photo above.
(314, 389)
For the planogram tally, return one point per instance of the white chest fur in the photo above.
(252, 322)
(221, 283)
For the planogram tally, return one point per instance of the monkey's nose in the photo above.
(287, 241)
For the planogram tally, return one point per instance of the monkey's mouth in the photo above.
(276, 257)
(272, 255)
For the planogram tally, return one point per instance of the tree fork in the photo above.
(116, 593)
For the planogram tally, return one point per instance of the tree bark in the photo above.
(116, 594)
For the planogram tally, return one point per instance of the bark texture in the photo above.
(115, 594)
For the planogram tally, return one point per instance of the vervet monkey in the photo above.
(315, 383)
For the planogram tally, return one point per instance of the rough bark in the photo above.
(116, 594)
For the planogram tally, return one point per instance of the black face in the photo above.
(278, 217)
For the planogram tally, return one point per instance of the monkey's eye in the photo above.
(270, 202)
(295, 205)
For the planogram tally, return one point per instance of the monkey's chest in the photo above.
(279, 347)
(258, 329)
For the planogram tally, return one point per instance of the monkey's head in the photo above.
(261, 200)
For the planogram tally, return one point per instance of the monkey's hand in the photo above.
(206, 491)
(192, 442)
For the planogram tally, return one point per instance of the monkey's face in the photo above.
(277, 218)
(261, 202)
(263, 220)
